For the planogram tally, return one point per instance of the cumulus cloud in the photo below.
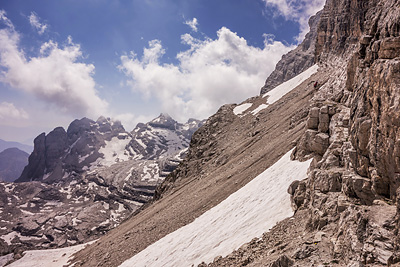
(35, 22)
(9, 111)
(129, 120)
(192, 24)
(55, 75)
(297, 10)
(209, 74)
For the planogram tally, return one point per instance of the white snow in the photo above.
(241, 108)
(46, 175)
(27, 212)
(140, 142)
(259, 108)
(10, 236)
(8, 188)
(75, 221)
(284, 88)
(82, 158)
(113, 151)
(47, 258)
(244, 215)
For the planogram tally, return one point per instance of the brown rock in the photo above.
(320, 143)
(390, 48)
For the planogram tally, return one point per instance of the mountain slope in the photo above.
(223, 228)
(12, 162)
(7, 144)
(344, 209)
(213, 170)
(347, 209)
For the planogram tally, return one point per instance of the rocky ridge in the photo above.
(87, 180)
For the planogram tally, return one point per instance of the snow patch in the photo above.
(8, 188)
(244, 215)
(259, 108)
(140, 142)
(241, 108)
(10, 236)
(284, 88)
(48, 258)
(113, 151)
(27, 212)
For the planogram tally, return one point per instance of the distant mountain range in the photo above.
(12, 162)
(83, 181)
(9, 144)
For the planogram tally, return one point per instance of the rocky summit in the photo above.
(82, 182)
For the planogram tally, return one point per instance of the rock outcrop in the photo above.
(73, 151)
(347, 211)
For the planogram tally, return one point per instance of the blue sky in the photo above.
(131, 60)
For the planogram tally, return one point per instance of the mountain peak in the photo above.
(164, 120)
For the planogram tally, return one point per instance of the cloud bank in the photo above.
(10, 115)
(209, 74)
(9, 111)
(297, 10)
(55, 76)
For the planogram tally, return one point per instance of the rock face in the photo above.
(82, 182)
(296, 61)
(73, 151)
(347, 211)
(12, 162)
(160, 137)
(88, 144)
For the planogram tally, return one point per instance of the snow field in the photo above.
(47, 258)
(278, 92)
(241, 108)
(244, 215)
(284, 88)
(259, 108)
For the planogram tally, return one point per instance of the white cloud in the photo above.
(297, 10)
(34, 21)
(192, 24)
(209, 74)
(129, 120)
(9, 111)
(55, 76)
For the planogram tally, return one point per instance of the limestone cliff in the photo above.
(347, 210)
